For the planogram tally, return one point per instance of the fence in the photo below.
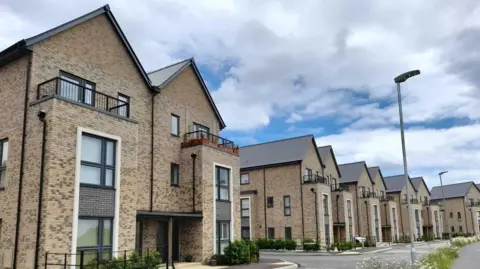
(94, 259)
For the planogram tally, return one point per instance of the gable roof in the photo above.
(396, 183)
(451, 191)
(351, 172)
(324, 152)
(290, 150)
(373, 171)
(163, 76)
(21, 47)
(419, 180)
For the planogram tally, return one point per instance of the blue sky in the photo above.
(277, 69)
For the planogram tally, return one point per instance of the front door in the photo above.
(162, 239)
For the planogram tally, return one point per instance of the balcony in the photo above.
(386, 198)
(205, 138)
(315, 179)
(83, 95)
(339, 187)
(473, 204)
(412, 201)
(367, 194)
(425, 203)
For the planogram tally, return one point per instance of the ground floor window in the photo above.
(271, 233)
(288, 233)
(94, 239)
(223, 235)
(246, 233)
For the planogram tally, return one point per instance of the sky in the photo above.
(281, 68)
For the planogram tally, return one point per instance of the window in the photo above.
(287, 209)
(244, 180)
(175, 125)
(349, 208)
(453, 229)
(270, 202)
(94, 235)
(223, 183)
(288, 233)
(451, 215)
(309, 174)
(201, 129)
(246, 233)
(245, 208)
(460, 229)
(97, 161)
(174, 174)
(325, 205)
(123, 105)
(382, 194)
(271, 233)
(425, 198)
(223, 235)
(459, 216)
(77, 89)
(334, 182)
(470, 202)
(362, 191)
(3, 162)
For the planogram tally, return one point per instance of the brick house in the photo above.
(462, 207)
(366, 203)
(284, 193)
(388, 208)
(431, 217)
(397, 188)
(343, 214)
(99, 156)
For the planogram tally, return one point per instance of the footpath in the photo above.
(468, 257)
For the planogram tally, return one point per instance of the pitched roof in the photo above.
(351, 172)
(163, 76)
(419, 180)
(396, 183)
(451, 191)
(373, 171)
(21, 47)
(324, 151)
(283, 151)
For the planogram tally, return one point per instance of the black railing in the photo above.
(412, 201)
(85, 95)
(386, 198)
(473, 204)
(92, 259)
(210, 138)
(425, 203)
(315, 179)
(368, 194)
(340, 187)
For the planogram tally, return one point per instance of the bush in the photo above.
(290, 244)
(309, 245)
(254, 253)
(427, 238)
(263, 243)
(187, 258)
(221, 259)
(279, 244)
(134, 261)
(237, 252)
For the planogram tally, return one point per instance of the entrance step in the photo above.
(188, 265)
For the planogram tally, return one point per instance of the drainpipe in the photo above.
(265, 202)
(301, 204)
(22, 163)
(194, 157)
(41, 117)
(316, 213)
(152, 141)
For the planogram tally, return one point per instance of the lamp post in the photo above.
(398, 80)
(444, 205)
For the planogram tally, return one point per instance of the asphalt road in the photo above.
(468, 258)
(398, 252)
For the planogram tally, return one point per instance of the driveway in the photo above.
(468, 257)
(398, 252)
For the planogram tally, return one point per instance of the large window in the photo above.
(287, 208)
(97, 161)
(223, 235)
(77, 89)
(244, 180)
(325, 205)
(123, 105)
(175, 125)
(245, 207)
(223, 183)
(288, 233)
(270, 202)
(3, 162)
(174, 174)
(349, 208)
(94, 235)
(271, 233)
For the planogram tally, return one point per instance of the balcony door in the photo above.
(76, 89)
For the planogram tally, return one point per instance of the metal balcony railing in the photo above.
(339, 187)
(412, 201)
(386, 198)
(315, 179)
(81, 94)
(473, 204)
(367, 194)
(205, 137)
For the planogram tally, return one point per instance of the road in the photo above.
(468, 258)
(398, 252)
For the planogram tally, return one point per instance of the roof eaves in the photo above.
(334, 160)
(381, 176)
(248, 168)
(318, 153)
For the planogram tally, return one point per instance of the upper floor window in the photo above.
(459, 216)
(334, 182)
(223, 183)
(349, 208)
(245, 207)
(97, 161)
(123, 105)
(244, 180)
(382, 194)
(174, 174)
(308, 172)
(325, 205)
(200, 128)
(451, 215)
(270, 202)
(3, 162)
(77, 89)
(287, 209)
(175, 125)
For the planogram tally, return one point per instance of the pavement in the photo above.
(468, 257)
(395, 252)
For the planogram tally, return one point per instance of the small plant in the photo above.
(187, 258)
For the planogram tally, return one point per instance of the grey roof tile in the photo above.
(351, 172)
(417, 181)
(324, 151)
(276, 152)
(373, 171)
(451, 190)
(396, 183)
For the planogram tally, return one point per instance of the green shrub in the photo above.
(427, 238)
(309, 245)
(440, 259)
(290, 244)
(279, 244)
(254, 253)
(221, 259)
(237, 252)
(263, 243)
(134, 261)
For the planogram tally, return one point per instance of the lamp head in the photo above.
(403, 77)
(441, 173)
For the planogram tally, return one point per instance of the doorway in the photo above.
(162, 238)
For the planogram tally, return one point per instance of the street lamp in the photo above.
(399, 79)
(444, 205)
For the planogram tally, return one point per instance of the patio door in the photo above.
(162, 239)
